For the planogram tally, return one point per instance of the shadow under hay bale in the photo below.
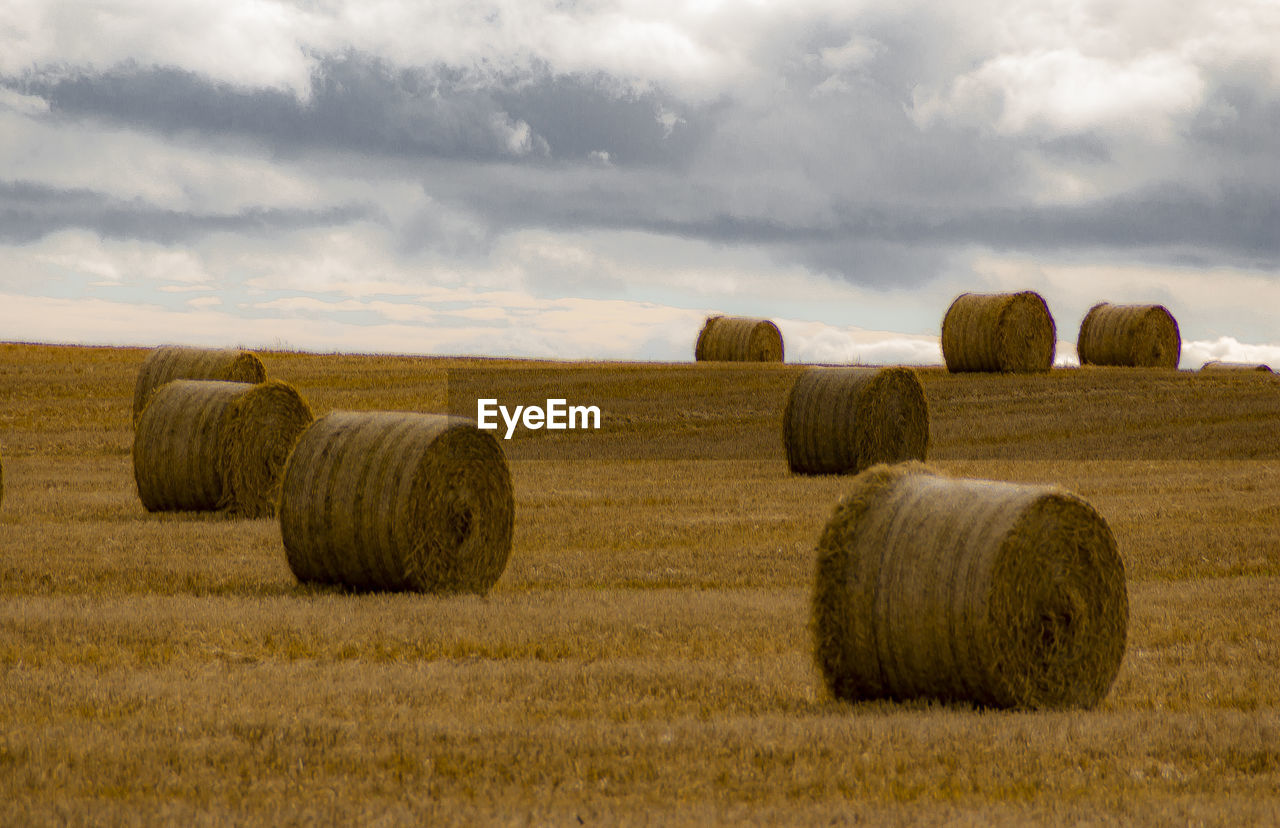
(202, 445)
(999, 332)
(1135, 336)
(397, 501)
(844, 420)
(1003, 595)
(1218, 365)
(737, 339)
(173, 362)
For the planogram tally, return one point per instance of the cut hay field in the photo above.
(645, 657)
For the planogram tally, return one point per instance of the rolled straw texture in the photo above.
(1138, 336)
(844, 420)
(202, 445)
(1002, 595)
(171, 362)
(1, 477)
(736, 339)
(1218, 365)
(397, 501)
(259, 430)
(999, 332)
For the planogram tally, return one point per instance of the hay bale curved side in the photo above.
(967, 590)
(202, 445)
(177, 445)
(738, 339)
(397, 501)
(700, 348)
(259, 429)
(172, 362)
(1135, 336)
(844, 420)
(1006, 332)
(1220, 365)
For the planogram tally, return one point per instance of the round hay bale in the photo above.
(1218, 365)
(844, 420)
(1137, 336)
(1005, 332)
(171, 362)
(737, 339)
(202, 445)
(397, 501)
(967, 590)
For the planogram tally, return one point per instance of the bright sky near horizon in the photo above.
(588, 180)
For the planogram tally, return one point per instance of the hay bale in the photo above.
(736, 339)
(1137, 336)
(202, 445)
(397, 501)
(844, 420)
(1005, 332)
(171, 362)
(967, 590)
(1219, 365)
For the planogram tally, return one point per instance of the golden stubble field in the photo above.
(645, 656)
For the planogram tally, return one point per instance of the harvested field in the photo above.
(645, 655)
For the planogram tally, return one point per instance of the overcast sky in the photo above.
(561, 179)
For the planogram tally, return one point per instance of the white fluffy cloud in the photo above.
(1063, 90)
(1227, 349)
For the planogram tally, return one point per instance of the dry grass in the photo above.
(644, 657)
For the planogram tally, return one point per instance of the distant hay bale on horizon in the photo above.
(205, 445)
(397, 501)
(173, 362)
(999, 332)
(1220, 365)
(1135, 336)
(999, 594)
(738, 339)
(844, 420)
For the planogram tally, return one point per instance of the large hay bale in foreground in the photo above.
(967, 590)
(202, 445)
(1219, 365)
(844, 420)
(172, 362)
(1136, 336)
(737, 339)
(1004, 332)
(391, 500)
